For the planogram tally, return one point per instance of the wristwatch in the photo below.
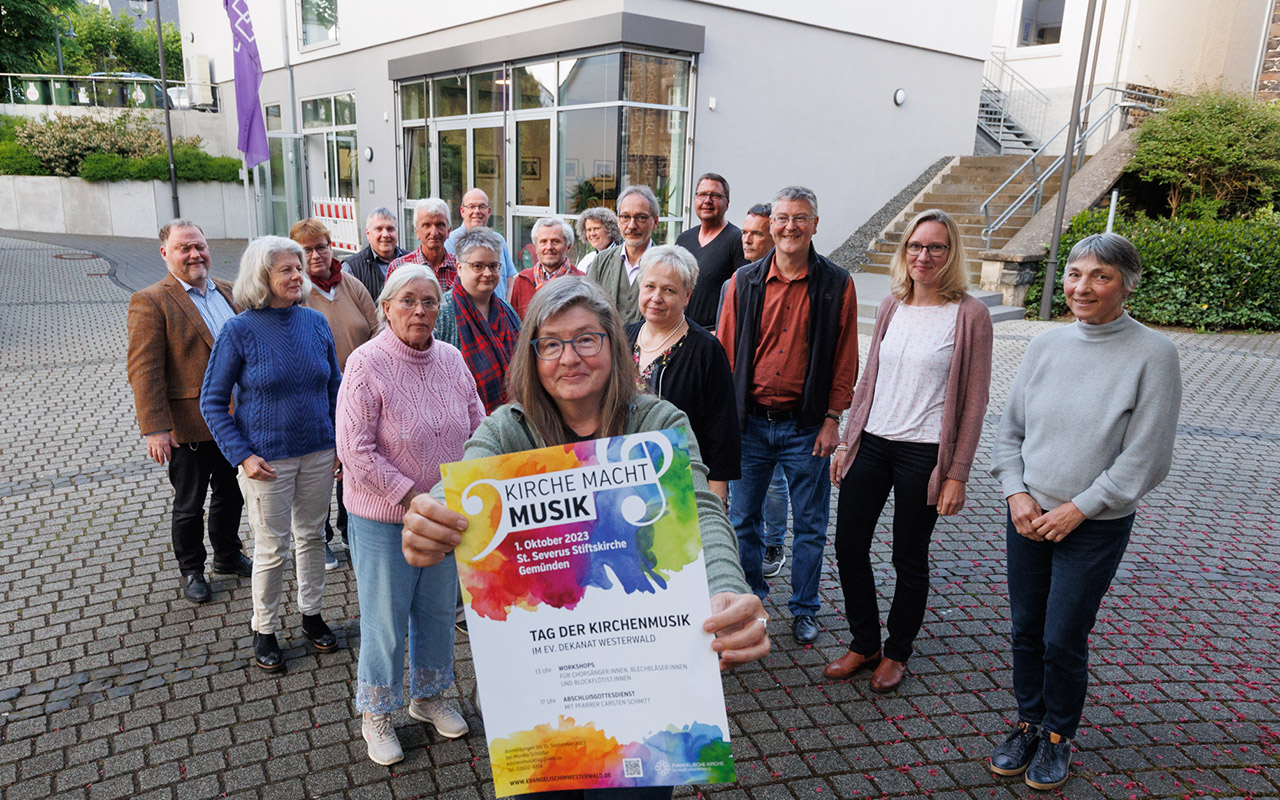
(835, 417)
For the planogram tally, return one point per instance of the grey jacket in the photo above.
(608, 270)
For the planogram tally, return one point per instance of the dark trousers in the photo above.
(342, 517)
(197, 469)
(1055, 590)
(879, 466)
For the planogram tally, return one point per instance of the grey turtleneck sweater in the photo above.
(1091, 418)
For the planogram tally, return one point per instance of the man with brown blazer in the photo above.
(172, 325)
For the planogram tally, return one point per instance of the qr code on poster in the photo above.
(631, 768)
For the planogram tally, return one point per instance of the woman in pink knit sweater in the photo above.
(407, 405)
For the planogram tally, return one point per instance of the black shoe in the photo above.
(1052, 762)
(1015, 753)
(266, 651)
(318, 633)
(195, 588)
(774, 558)
(804, 628)
(240, 565)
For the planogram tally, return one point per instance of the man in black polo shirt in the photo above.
(369, 266)
(716, 244)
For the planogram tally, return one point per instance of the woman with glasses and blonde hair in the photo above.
(913, 428)
(573, 379)
(406, 406)
(475, 320)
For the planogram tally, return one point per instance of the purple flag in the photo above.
(248, 66)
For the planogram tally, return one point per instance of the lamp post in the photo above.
(58, 19)
(139, 8)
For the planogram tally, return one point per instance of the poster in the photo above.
(585, 588)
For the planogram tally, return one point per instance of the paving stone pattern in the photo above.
(111, 686)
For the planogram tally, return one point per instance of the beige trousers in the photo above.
(295, 503)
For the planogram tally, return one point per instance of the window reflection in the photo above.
(588, 140)
(657, 80)
(654, 143)
(488, 92)
(535, 85)
(413, 101)
(450, 96)
(417, 174)
(593, 79)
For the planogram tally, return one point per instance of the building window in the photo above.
(318, 22)
(554, 136)
(1040, 22)
(329, 136)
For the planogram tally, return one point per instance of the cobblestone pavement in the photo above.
(111, 686)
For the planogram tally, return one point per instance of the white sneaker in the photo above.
(440, 713)
(384, 747)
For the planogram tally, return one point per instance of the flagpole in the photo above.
(249, 205)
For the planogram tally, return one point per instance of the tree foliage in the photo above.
(1216, 154)
(27, 32)
(111, 43)
(62, 141)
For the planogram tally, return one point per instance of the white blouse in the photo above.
(911, 384)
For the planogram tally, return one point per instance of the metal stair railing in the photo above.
(1020, 104)
(1035, 191)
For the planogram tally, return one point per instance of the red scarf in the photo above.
(335, 276)
(486, 344)
(539, 276)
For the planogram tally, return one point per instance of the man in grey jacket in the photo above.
(618, 268)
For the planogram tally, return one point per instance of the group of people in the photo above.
(377, 371)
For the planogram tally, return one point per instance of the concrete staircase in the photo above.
(960, 190)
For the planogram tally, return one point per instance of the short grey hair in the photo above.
(761, 210)
(798, 193)
(674, 256)
(605, 217)
(381, 212)
(646, 193)
(1113, 250)
(551, 222)
(475, 239)
(176, 223)
(400, 278)
(252, 288)
(432, 205)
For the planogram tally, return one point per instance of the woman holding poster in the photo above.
(573, 379)
(407, 405)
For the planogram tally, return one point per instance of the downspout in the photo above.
(1262, 46)
(288, 65)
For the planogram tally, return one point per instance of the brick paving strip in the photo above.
(111, 686)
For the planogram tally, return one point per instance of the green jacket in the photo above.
(608, 270)
(506, 431)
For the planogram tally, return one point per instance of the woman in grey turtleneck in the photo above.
(1088, 430)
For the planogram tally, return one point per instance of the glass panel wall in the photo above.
(581, 129)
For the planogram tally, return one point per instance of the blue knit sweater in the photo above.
(283, 367)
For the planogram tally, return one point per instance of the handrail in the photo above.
(106, 91)
(1017, 100)
(1036, 188)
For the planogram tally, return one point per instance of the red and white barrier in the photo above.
(339, 216)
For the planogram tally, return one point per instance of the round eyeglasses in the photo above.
(550, 348)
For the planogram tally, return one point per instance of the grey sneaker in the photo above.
(330, 560)
(774, 558)
(384, 747)
(440, 713)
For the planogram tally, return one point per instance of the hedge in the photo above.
(189, 163)
(1205, 274)
(18, 160)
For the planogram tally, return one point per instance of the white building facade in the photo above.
(552, 107)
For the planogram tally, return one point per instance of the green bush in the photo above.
(62, 141)
(190, 164)
(9, 127)
(18, 160)
(1204, 274)
(1215, 154)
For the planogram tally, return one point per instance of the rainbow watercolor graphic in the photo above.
(585, 588)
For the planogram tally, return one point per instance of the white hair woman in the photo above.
(407, 405)
(681, 362)
(572, 379)
(1088, 430)
(279, 358)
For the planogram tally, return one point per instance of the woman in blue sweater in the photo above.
(279, 359)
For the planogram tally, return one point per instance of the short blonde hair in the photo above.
(953, 283)
(252, 288)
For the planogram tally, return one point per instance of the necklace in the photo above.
(674, 331)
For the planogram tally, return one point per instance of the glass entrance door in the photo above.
(282, 184)
(533, 183)
(451, 150)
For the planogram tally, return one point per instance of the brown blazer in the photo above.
(169, 347)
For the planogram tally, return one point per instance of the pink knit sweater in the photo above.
(401, 414)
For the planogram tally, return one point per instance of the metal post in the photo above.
(1051, 266)
(57, 40)
(1111, 214)
(164, 104)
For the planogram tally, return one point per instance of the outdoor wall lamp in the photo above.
(899, 95)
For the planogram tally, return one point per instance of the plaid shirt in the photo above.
(446, 273)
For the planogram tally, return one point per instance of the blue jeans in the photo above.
(775, 510)
(396, 599)
(1055, 590)
(766, 445)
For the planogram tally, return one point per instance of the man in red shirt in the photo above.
(552, 239)
(790, 328)
(431, 224)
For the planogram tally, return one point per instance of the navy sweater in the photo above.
(283, 367)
